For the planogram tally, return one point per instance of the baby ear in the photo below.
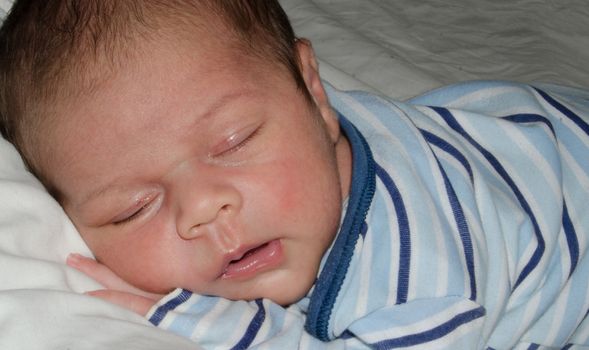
(307, 59)
(310, 72)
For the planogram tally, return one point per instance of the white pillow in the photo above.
(40, 304)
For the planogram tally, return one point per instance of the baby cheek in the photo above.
(143, 259)
(289, 188)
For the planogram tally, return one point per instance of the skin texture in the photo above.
(178, 168)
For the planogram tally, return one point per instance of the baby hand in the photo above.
(117, 290)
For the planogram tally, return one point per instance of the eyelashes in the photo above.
(137, 211)
(236, 142)
(131, 217)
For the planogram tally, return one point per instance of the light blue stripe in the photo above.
(432, 334)
(535, 259)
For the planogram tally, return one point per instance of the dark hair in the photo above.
(48, 48)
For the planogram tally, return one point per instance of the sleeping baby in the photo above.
(231, 196)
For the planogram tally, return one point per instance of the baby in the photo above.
(230, 196)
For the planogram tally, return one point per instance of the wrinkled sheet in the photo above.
(397, 48)
(403, 48)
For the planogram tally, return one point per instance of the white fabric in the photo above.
(398, 48)
(39, 306)
(403, 48)
(5, 5)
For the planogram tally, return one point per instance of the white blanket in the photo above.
(403, 48)
(397, 48)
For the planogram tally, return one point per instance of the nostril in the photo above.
(202, 220)
(225, 209)
(192, 232)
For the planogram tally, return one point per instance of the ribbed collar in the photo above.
(336, 265)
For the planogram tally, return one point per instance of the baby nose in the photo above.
(202, 205)
(200, 221)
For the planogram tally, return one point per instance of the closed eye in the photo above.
(129, 218)
(237, 142)
(135, 212)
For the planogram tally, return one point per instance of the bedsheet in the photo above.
(403, 48)
(397, 48)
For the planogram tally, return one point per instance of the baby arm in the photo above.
(446, 323)
(210, 321)
(220, 323)
(116, 290)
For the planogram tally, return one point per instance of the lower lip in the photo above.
(261, 258)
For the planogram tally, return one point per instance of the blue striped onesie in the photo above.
(466, 227)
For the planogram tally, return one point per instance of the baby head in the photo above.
(191, 142)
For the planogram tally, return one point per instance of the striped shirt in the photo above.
(466, 227)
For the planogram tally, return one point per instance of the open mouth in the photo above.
(254, 260)
(250, 253)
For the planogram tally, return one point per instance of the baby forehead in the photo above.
(144, 116)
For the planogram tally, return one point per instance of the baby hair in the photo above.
(51, 50)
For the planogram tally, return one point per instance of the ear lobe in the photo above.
(310, 72)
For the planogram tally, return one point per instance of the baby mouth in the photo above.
(258, 258)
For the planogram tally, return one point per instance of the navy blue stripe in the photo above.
(530, 118)
(568, 346)
(533, 347)
(448, 148)
(163, 310)
(537, 255)
(456, 207)
(254, 327)
(364, 229)
(404, 234)
(564, 110)
(463, 230)
(571, 236)
(347, 335)
(432, 334)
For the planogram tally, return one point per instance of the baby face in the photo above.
(205, 170)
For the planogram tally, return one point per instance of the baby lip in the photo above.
(236, 255)
(247, 260)
(248, 252)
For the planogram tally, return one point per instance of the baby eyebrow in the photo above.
(221, 102)
(101, 191)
